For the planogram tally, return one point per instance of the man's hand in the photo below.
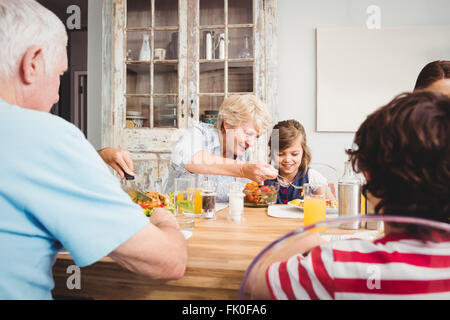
(158, 251)
(161, 217)
(258, 171)
(119, 160)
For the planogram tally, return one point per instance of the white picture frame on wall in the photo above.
(360, 70)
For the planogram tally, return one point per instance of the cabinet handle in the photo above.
(182, 108)
(190, 109)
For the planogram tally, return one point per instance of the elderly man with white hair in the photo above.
(55, 190)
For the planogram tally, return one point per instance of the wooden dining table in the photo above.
(219, 253)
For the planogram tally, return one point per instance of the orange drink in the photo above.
(314, 207)
(314, 210)
(363, 204)
(198, 201)
(180, 196)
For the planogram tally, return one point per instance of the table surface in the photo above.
(219, 253)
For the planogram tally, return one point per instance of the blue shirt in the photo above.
(199, 137)
(55, 191)
(286, 194)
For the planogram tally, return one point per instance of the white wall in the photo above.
(94, 119)
(297, 20)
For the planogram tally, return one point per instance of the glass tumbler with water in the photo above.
(184, 202)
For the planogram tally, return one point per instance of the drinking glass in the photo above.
(183, 195)
(314, 205)
(198, 196)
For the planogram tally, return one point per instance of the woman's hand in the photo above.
(118, 159)
(258, 171)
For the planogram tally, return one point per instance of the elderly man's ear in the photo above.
(32, 64)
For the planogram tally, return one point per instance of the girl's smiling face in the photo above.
(289, 159)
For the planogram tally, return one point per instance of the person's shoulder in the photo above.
(31, 127)
(204, 132)
(204, 128)
(39, 122)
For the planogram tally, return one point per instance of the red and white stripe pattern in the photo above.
(394, 267)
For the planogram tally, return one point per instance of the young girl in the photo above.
(292, 157)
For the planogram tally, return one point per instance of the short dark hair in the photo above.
(405, 149)
(431, 73)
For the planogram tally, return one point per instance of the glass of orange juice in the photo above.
(198, 202)
(314, 207)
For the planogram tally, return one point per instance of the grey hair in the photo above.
(27, 23)
(239, 108)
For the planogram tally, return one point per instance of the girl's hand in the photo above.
(119, 160)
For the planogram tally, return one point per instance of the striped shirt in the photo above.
(393, 267)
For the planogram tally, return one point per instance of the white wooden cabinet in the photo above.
(201, 51)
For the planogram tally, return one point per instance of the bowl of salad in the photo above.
(260, 196)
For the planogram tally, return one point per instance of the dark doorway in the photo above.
(72, 104)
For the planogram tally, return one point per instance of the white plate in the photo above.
(186, 234)
(330, 211)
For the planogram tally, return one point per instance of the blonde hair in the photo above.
(26, 23)
(240, 108)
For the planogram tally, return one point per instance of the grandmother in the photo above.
(222, 152)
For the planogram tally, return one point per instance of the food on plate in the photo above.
(259, 196)
(297, 202)
(330, 204)
(158, 200)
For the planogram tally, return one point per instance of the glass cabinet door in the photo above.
(152, 64)
(226, 58)
(170, 63)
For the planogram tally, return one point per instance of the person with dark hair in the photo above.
(435, 76)
(403, 150)
(291, 155)
(407, 168)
